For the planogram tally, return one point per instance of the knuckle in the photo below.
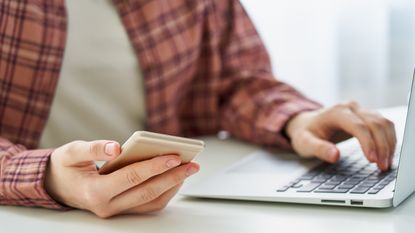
(341, 106)
(148, 194)
(338, 109)
(73, 146)
(94, 148)
(133, 177)
(352, 104)
(379, 123)
(67, 151)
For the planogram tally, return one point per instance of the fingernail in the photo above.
(109, 148)
(191, 170)
(172, 163)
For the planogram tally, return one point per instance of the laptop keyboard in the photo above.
(351, 174)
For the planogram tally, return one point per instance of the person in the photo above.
(180, 67)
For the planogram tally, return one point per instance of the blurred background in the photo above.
(337, 50)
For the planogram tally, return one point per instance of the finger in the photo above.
(382, 147)
(152, 189)
(353, 105)
(157, 204)
(391, 135)
(383, 131)
(322, 149)
(137, 173)
(81, 151)
(352, 124)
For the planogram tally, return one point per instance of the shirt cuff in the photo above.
(22, 179)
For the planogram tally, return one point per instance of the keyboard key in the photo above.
(318, 180)
(297, 186)
(332, 182)
(373, 191)
(338, 178)
(384, 182)
(331, 191)
(366, 185)
(308, 176)
(369, 182)
(374, 178)
(326, 187)
(360, 190)
(283, 189)
(325, 175)
(379, 186)
(346, 173)
(344, 186)
(308, 188)
(358, 177)
(292, 183)
(351, 182)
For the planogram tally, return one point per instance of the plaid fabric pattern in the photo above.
(205, 69)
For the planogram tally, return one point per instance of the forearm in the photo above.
(261, 116)
(256, 105)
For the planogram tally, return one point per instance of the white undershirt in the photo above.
(100, 93)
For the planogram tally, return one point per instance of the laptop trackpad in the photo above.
(262, 172)
(267, 162)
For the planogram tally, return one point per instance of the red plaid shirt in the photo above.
(205, 69)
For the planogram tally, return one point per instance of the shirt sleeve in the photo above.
(256, 106)
(22, 176)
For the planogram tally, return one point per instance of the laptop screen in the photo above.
(405, 184)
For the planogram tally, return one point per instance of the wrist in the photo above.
(298, 122)
(49, 180)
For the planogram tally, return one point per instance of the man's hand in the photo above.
(72, 178)
(314, 133)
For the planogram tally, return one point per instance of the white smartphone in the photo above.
(144, 145)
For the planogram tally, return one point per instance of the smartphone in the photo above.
(143, 145)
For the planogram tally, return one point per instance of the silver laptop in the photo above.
(352, 181)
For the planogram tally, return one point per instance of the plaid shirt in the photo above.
(205, 69)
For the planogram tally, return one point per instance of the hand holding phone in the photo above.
(143, 145)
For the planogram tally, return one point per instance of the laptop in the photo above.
(352, 181)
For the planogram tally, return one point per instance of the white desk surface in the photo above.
(200, 215)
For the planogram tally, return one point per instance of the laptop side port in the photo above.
(333, 201)
(356, 202)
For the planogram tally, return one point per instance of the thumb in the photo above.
(82, 151)
(322, 149)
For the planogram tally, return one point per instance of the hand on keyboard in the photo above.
(314, 133)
